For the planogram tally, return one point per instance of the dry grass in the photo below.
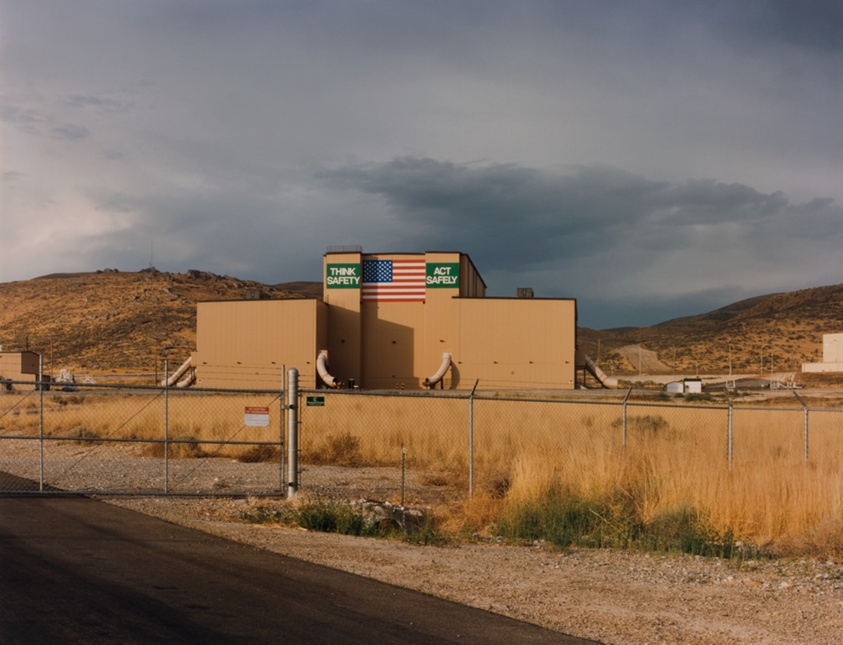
(670, 460)
(196, 426)
(674, 458)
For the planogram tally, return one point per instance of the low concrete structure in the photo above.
(832, 355)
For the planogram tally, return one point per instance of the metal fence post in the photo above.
(41, 424)
(166, 426)
(804, 424)
(471, 440)
(292, 433)
(729, 436)
(282, 427)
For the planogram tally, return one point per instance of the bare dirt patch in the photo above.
(645, 361)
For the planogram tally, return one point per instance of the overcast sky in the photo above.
(651, 159)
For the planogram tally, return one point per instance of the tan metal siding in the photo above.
(245, 344)
(393, 339)
(516, 343)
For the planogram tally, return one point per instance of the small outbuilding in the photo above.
(693, 386)
(19, 369)
(685, 386)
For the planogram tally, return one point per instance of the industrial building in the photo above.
(387, 321)
(21, 368)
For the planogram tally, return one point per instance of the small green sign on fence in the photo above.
(317, 401)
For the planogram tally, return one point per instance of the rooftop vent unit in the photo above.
(350, 248)
(524, 292)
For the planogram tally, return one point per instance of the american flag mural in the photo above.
(393, 280)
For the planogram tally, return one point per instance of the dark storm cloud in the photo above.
(27, 120)
(525, 216)
(813, 25)
(70, 131)
(98, 103)
(666, 242)
(245, 137)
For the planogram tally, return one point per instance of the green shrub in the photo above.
(566, 519)
(570, 520)
(268, 515)
(331, 516)
(687, 531)
(334, 517)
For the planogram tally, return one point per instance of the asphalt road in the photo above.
(75, 570)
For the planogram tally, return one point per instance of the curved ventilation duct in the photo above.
(593, 368)
(175, 376)
(430, 381)
(322, 370)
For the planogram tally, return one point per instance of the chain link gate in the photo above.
(124, 440)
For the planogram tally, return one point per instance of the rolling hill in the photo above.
(118, 321)
(776, 332)
(111, 321)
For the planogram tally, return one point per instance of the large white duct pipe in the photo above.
(430, 381)
(605, 380)
(175, 376)
(322, 370)
(188, 380)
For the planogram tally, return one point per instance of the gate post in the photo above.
(166, 426)
(281, 431)
(293, 433)
(729, 437)
(805, 436)
(41, 424)
(471, 439)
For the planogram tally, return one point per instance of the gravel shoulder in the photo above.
(609, 596)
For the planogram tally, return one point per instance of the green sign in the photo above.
(342, 276)
(317, 401)
(443, 275)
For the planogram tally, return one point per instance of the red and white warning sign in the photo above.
(258, 417)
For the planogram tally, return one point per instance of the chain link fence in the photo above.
(123, 440)
(115, 440)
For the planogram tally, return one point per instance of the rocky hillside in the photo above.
(777, 332)
(111, 321)
(117, 321)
